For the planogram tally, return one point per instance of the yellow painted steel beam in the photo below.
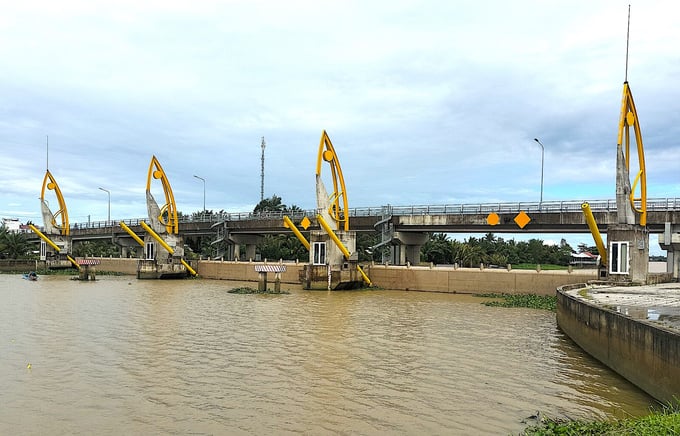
(44, 238)
(50, 184)
(364, 276)
(169, 209)
(74, 262)
(52, 244)
(339, 212)
(160, 240)
(628, 119)
(288, 223)
(592, 225)
(157, 237)
(333, 236)
(188, 267)
(131, 233)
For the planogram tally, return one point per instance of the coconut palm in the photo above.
(13, 245)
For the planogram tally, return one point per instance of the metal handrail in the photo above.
(655, 204)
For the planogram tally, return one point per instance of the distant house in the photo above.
(584, 260)
(14, 226)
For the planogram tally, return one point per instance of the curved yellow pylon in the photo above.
(50, 184)
(168, 213)
(629, 118)
(338, 210)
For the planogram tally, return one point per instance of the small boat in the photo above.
(32, 276)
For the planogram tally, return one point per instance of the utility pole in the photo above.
(262, 171)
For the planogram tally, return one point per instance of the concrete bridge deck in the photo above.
(546, 217)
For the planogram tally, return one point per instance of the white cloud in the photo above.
(425, 103)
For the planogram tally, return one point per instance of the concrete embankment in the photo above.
(475, 280)
(633, 330)
(411, 278)
(7, 265)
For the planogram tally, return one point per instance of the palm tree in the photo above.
(438, 249)
(13, 245)
(272, 204)
(294, 211)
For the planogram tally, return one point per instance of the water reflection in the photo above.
(126, 356)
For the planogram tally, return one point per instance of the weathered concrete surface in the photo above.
(120, 265)
(408, 278)
(634, 330)
(21, 265)
(658, 304)
(474, 280)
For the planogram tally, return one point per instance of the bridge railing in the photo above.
(655, 204)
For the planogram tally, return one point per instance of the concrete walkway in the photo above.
(658, 304)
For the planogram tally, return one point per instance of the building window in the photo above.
(618, 263)
(150, 254)
(319, 253)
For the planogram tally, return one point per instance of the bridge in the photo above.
(397, 226)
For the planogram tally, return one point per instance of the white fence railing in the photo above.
(655, 204)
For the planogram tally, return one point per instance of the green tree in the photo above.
(437, 249)
(13, 245)
(364, 243)
(471, 255)
(286, 246)
(293, 210)
(273, 204)
(582, 248)
(95, 249)
(493, 250)
(498, 259)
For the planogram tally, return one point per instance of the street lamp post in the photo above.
(108, 219)
(542, 160)
(202, 179)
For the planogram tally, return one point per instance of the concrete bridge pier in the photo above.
(669, 240)
(628, 253)
(406, 247)
(125, 245)
(250, 242)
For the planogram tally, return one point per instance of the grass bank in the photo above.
(660, 422)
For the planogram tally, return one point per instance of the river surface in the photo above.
(124, 356)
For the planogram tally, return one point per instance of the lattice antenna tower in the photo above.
(627, 44)
(263, 145)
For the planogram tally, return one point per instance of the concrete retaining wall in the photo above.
(645, 354)
(119, 265)
(475, 280)
(21, 265)
(420, 278)
(245, 271)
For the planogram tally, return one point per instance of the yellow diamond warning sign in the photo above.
(522, 219)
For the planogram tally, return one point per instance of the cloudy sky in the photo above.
(426, 102)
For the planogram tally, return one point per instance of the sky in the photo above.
(426, 102)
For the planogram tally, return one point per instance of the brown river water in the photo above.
(124, 356)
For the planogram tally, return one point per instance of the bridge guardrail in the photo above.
(655, 204)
